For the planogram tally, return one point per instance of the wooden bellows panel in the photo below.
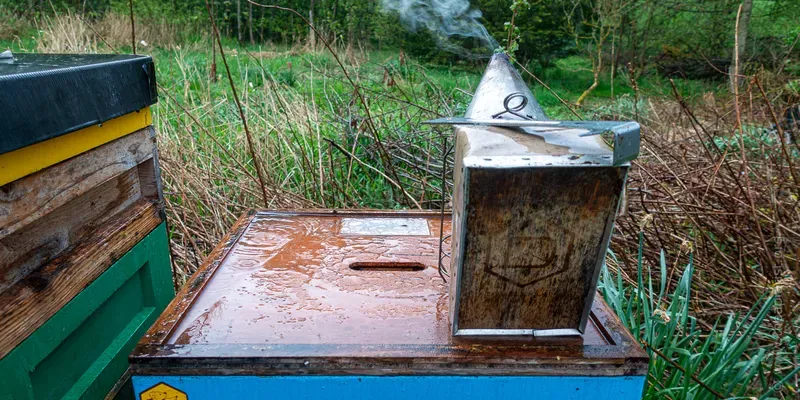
(533, 210)
(532, 245)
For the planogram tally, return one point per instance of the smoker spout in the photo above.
(500, 80)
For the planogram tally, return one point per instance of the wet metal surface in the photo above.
(286, 293)
(515, 146)
(313, 280)
(557, 147)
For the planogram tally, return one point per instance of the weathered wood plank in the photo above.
(44, 239)
(30, 302)
(32, 197)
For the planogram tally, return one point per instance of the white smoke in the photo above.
(444, 19)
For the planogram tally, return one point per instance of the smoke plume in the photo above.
(445, 19)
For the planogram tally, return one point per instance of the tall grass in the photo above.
(311, 136)
(66, 33)
(70, 32)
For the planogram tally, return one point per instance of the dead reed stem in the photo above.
(737, 213)
(133, 28)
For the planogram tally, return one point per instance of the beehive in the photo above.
(350, 305)
(84, 262)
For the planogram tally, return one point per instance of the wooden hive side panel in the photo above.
(49, 212)
(26, 305)
(81, 351)
(533, 245)
(63, 226)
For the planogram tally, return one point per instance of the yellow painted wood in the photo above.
(27, 160)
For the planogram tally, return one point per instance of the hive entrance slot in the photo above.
(387, 266)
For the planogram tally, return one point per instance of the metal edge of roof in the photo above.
(45, 104)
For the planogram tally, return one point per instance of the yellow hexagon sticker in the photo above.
(162, 391)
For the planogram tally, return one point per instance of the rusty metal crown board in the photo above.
(291, 293)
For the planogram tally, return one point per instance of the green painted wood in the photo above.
(82, 351)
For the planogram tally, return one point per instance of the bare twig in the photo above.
(253, 154)
(133, 28)
(352, 156)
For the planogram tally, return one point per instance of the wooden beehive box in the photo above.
(350, 305)
(84, 259)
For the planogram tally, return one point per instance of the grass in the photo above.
(319, 145)
(688, 362)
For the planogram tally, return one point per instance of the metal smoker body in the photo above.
(533, 211)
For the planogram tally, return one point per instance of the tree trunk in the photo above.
(742, 24)
(213, 72)
(312, 39)
(613, 65)
(590, 89)
(250, 23)
(597, 67)
(239, 20)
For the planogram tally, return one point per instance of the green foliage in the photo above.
(624, 107)
(286, 77)
(691, 362)
(688, 38)
(514, 35)
(13, 25)
(539, 35)
(759, 143)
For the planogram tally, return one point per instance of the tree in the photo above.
(312, 40)
(591, 23)
(250, 23)
(742, 26)
(541, 28)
